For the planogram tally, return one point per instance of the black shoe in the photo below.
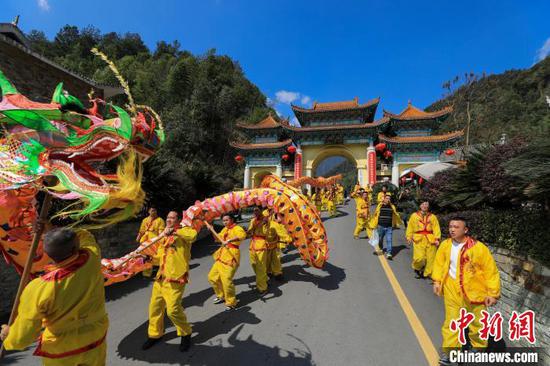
(150, 342)
(444, 360)
(419, 274)
(185, 343)
(279, 278)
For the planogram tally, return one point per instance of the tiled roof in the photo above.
(416, 139)
(336, 106)
(268, 122)
(265, 145)
(413, 113)
(376, 123)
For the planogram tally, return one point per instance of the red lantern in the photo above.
(285, 157)
(291, 149)
(403, 180)
(387, 154)
(450, 152)
(380, 147)
(239, 158)
(411, 175)
(420, 180)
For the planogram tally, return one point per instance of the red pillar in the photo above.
(371, 165)
(298, 165)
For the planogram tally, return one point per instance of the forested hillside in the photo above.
(514, 103)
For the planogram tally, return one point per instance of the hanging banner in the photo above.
(371, 165)
(297, 166)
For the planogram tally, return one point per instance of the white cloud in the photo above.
(286, 97)
(43, 4)
(278, 113)
(305, 100)
(294, 122)
(543, 51)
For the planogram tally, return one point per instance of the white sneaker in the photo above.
(218, 300)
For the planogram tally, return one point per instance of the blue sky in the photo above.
(302, 51)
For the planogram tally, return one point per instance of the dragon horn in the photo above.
(6, 86)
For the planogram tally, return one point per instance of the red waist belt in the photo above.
(255, 237)
(229, 245)
(424, 232)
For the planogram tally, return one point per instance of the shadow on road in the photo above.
(122, 289)
(236, 352)
(339, 214)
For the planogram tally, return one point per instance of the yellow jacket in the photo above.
(258, 232)
(477, 271)
(419, 226)
(68, 302)
(175, 253)
(276, 234)
(396, 219)
(362, 207)
(150, 229)
(381, 195)
(230, 255)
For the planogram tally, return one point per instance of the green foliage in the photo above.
(524, 231)
(199, 99)
(513, 103)
(531, 169)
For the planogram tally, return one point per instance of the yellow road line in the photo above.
(419, 331)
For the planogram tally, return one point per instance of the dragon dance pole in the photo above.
(28, 265)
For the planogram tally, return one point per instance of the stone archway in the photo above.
(313, 155)
(259, 175)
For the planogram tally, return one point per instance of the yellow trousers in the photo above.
(258, 260)
(424, 256)
(221, 278)
(331, 207)
(274, 262)
(167, 296)
(454, 301)
(361, 224)
(93, 357)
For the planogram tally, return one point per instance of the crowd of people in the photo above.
(65, 308)
(462, 269)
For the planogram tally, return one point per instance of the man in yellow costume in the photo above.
(151, 227)
(68, 303)
(339, 194)
(257, 230)
(466, 275)
(174, 254)
(384, 220)
(318, 200)
(330, 201)
(277, 239)
(226, 261)
(383, 193)
(423, 233)
(362, 212)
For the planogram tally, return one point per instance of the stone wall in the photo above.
(35, 77)
(525, 285)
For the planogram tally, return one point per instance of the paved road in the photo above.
(345, 314)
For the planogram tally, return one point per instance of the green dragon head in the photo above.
(64, 139)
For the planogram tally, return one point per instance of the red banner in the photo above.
(371, 165)
(297, 166)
